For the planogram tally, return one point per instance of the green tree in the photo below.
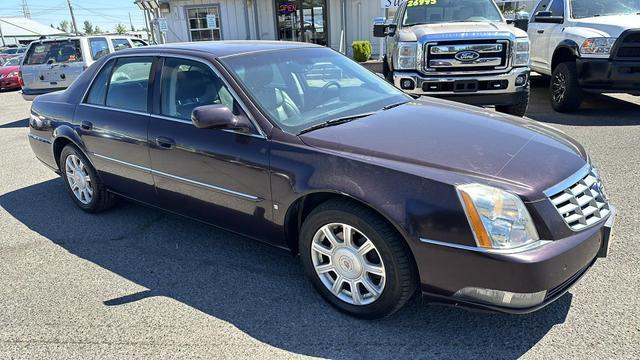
(121, 29)
(88, 27)
(64, 26)
(97, 30)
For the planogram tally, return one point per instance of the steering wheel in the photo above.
(326, 88)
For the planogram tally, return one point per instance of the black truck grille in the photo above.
(629, 47)
(441, 56)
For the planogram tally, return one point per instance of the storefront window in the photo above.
(197, 23)
(302, 20)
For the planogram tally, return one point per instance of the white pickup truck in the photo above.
(586, 46)
(461, 50)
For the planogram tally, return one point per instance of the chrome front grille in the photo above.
(582, 204)
(491, 55)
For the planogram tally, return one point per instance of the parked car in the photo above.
(12, 52)
(586, 46)
(459, 50)
(493, 211)
(9, 73)
(53, 64)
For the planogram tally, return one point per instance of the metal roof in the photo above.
(23, 27)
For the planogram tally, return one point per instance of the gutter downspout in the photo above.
(246, 20)
(343, 24)
(255, 18)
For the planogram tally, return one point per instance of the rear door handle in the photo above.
(540, 31)
(86, 125)
(165, 142)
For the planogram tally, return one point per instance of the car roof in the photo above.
(68, 38)
(226, 48)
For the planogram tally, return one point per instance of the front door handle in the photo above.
(540, 31)
(86, 125)
(165, 142)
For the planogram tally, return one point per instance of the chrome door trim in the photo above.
(183, 121)
(115, 109)
(185, 180)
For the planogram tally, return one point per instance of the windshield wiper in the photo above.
(391, 106)
(333, 122)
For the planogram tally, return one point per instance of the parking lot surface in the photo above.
(138, 282)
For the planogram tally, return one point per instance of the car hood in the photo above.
(610, 26)
(460, 29)
(8, 69)
(451, 138)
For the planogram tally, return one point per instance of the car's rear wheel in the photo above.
(566, 94)
(356, 260)
(82, 182)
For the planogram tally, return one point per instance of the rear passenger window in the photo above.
(188, 84)
(98, 90)
(119, 44)
(99, 47)
(138, 43)
(129, 83)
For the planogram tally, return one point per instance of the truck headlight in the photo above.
(406, 53)
(597, 47)
(499, 219)
(521, 53)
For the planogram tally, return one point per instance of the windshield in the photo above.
(589, 8)
(310, 86)
(52, 52)
(441, 11)
(12, 62)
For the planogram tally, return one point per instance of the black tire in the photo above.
(386, 70)
(400, 269)
(519, 108)
(101, 199)
(566, 94)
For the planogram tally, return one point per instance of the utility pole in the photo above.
(25, 9)
(73, 18)
(131, 23)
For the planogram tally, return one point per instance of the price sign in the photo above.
(212, 21)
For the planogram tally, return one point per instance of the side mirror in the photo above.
(548, 18)
(218, 117)
(383, 30)
(522, 24)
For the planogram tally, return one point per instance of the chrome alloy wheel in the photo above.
(79, 179)
(559, 87)
(348, 264)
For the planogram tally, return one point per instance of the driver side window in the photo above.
(187, 84)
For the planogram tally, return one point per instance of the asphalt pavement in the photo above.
(136, 282)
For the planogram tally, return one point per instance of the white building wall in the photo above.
(232, 19)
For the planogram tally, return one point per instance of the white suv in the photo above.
(586, 46)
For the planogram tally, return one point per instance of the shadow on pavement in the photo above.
(259, 289)
(16, 124)
(596, 110)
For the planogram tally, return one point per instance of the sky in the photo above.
(103, 13)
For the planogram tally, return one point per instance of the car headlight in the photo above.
(597, 47)
(499, 219)
(12, 74)
(406, 53)
(521, 53)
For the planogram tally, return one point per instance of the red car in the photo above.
(9, 75)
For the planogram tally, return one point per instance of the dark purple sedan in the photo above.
(382, 195)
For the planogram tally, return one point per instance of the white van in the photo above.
(53, 64)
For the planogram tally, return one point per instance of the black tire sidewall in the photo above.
(94, 204)
(573, 93)
(392, 290)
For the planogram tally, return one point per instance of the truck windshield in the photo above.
(589, 8)
(446, 11)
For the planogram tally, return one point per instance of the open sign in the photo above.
(287, 8)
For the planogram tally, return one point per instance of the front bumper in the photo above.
(9, 83)
(606, 75)
(553, 268)
(494, 89)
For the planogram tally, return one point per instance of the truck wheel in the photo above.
(566, 95)
(519, 108)
(386, 71)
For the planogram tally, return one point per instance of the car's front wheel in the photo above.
(566, 94)
(82, 181)
(519, 108)
(356, 260)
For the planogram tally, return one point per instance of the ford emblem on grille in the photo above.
(467, 55)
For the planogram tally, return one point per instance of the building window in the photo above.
(197, 23)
